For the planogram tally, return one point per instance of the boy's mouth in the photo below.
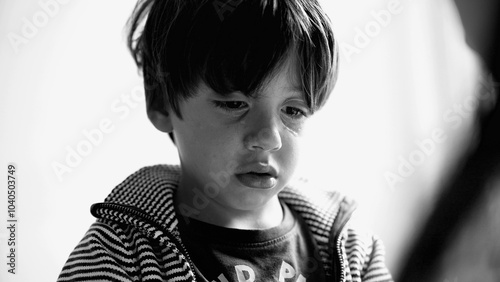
(259, 175)
(257, 180)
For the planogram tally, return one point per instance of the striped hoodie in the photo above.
(135, 236)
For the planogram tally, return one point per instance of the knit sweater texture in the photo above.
(135, 236)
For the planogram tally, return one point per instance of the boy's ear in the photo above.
(161, 120)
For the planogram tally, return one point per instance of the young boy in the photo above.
(233, 83)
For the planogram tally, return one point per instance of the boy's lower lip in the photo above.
(254, 180)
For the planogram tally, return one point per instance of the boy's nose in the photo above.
(264, 136)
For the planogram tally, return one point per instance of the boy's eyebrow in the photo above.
(220, 95)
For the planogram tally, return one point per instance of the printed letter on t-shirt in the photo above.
(286, 271)
(240, 272)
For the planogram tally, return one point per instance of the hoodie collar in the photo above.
(148, 195)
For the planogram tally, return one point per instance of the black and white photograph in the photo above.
(250, 140)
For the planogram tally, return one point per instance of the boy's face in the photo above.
(238, 152)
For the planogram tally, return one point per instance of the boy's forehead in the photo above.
(287, 75)
(282, 82)
(285, 78)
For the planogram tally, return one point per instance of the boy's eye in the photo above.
(231, 106)
(294, 112)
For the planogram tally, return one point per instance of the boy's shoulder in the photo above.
(144, 184)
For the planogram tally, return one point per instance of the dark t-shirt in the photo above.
(283, 253)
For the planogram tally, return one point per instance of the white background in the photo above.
(72, 71)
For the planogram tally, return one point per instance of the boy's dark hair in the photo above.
(231, 45)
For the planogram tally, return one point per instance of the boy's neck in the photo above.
(265, 217)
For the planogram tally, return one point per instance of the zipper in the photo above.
(346, 209)
(340, 256)
(149, 219)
